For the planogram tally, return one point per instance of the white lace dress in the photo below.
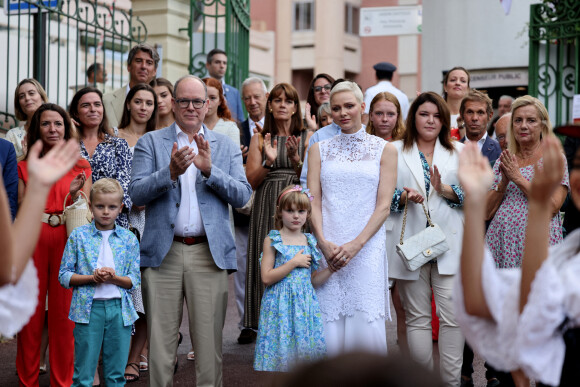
(18, 302)
(354, 301)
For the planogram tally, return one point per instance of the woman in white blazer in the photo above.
(427, 173)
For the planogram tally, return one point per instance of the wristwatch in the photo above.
(266, 165)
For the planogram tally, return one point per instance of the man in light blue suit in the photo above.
(186, 175)
(216, 65)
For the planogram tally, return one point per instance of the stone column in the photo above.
(283, 41)
(164, 19)
(330, 38)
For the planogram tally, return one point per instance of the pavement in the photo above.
(237, 359)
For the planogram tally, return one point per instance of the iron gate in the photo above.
(555, 56)
(56, 41)
(223, 24)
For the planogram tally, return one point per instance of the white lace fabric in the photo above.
(533, 339)
(349, 176)
(18, 302)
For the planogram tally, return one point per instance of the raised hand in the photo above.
(435, 178)
(55, 163)
(292, 144)
(475, 174)
(258, 128)
(549, 176)
(77, 183)
(202, 160)
(181, 159)
(310, 118)
(413, 195)
(509, 166)
(270, 150)
(302, 260)
(244, 150)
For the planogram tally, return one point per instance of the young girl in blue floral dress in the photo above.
(290, 328)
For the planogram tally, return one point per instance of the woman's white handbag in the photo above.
(423, 246)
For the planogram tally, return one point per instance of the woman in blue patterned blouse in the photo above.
(427, 174)
(108, 155)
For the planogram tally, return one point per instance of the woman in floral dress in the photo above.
(108, 155)
(507, 203)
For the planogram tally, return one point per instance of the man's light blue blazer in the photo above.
(152, 187)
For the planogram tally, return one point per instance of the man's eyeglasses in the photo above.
(318, 89)
(184, 103)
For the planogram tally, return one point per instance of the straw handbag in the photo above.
(77, 214)
(423, 246)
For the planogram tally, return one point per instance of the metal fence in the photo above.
(56, 41)
(555, 56)
(223, 24)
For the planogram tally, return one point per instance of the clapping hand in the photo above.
(549, 176)
(292, 144)
(55, 163)
(244, 150)
(202, 160)
(302, 260)
(310, 118)
(475, 174)
(258, 129)
(509, 166)
(270, 149)
(77, 183)
(181, 159)
(435, 178)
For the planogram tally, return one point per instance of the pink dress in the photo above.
(507, 230)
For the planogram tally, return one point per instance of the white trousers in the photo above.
(416, 299)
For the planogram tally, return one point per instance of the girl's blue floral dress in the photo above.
(290, 329)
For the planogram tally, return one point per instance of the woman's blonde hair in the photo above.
(287, 199)
(347, 86)
(399, 126)
(528, 100)
(18, 112)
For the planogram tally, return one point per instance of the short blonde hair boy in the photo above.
(106, 185)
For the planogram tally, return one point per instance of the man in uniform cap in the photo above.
(384, 72)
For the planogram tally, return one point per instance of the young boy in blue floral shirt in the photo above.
(101, 263)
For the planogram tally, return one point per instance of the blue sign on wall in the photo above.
(18, 6)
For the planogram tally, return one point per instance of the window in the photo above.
(303, 15)
(351, 19)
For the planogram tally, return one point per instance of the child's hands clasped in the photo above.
(302, 260)
(103, 274)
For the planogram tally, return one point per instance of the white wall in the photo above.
(475, 34)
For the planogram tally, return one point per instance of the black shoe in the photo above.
(466, 382)
(493, 382)
(247, 336)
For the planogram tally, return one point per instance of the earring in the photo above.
(271, 110)
(292, 113)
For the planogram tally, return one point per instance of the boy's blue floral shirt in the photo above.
(80, 257)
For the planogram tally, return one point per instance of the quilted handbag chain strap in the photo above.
(405, 218)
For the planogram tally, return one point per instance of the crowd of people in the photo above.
(310, 212)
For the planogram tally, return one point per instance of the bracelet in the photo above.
(299, 165)
(267, 166)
